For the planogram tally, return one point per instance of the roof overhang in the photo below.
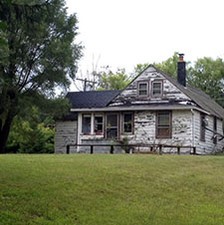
(140, 108)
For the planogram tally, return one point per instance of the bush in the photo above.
(31, 135)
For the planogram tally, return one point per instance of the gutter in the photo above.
(139, 108)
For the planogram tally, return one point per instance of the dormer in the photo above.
(151, 88)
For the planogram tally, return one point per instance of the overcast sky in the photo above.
(123, 33)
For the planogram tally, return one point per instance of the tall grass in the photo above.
(111, 189)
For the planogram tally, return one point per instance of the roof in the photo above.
(200, 98)
(91, 99)
(101, 99)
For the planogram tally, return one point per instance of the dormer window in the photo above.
(157, 88)
(143, 89)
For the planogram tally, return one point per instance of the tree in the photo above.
(169, 66)
(41, 54)
(113, 81)
(139, 68)
(31, 134)
(207, 74)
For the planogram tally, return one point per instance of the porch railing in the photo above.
(152, 148)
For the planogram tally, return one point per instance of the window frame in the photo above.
(168, 126)
(202, 127)
(87, 115)
(98, 132)
(127, 122)
(147, 89)
(161, 88)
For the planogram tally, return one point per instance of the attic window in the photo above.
(157, 88)
(143, 88)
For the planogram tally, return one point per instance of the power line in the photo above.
(85, 81)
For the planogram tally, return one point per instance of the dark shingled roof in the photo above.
(91, 99)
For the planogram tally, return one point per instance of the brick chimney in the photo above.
(181, 70)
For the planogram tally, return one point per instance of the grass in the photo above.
(111, 189)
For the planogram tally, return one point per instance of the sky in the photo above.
(124, 33)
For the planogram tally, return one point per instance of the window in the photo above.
(215, 130)
(86, 123)
(143, 89)
(157, 88)
(163, 125)
(98, 124)
(128, 122)
(202, 127)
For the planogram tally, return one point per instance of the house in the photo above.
(154, 109)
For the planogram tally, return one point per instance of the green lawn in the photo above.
(111, 189)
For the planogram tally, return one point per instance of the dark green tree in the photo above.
(31, 134)
(207, 74)
(41, 55)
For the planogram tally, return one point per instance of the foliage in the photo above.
(207, 74)
(139, 68)
(31, 134)
(41, 56)
(113, 81)
(169, 66)
(111, 189)
(125, 142)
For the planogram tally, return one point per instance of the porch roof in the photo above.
(91, 99)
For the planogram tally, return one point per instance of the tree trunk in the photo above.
(4, 132)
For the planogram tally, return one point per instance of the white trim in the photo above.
(139, 108)
(79, 131)
(193, 127)
(92, 124)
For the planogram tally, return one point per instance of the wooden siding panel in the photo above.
(66, 133)
(130, 95)
(207, 146)
(145, 129)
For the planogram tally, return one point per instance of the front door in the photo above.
(112, 125)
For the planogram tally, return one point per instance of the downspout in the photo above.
(192, 111)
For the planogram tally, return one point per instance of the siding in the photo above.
(207, 146)
(130, 95)
(145, 130)
(66, 133)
